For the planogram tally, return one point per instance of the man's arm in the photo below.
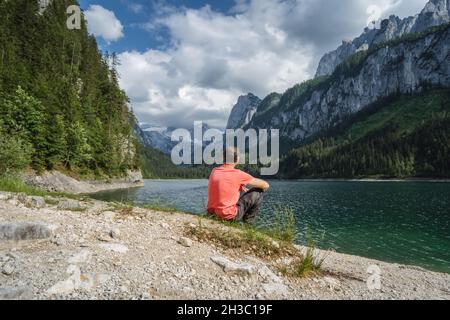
(259, 184)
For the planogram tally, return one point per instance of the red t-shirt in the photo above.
(225, 184)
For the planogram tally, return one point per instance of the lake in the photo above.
(402, 222)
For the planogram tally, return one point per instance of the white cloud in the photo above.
(261, 46)
(136, 7)
(103, 23)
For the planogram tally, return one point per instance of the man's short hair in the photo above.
(230, 154)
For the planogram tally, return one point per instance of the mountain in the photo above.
(61, 107)
(243, 111)
(436, 12)
(157, 137)
(404, 136)
(160, 138)
(156, 164)
(382, 112)
(409, 64)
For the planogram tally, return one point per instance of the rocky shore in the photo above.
(57, 248)
(55, 181)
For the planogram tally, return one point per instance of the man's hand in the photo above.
(259, 184)
(244, 189)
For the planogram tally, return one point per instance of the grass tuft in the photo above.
(159, 207)
(246, 238)
(284, 227)
(13, 183)
(309, 264)
(269, 244)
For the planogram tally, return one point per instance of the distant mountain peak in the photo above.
(243, 111)
(435, 12)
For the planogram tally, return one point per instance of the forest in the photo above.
(402, 137)
(60, 103)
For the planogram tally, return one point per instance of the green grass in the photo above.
(13, 183)
(260, 243)
(309, 264)
(159, 207)
(284, 226)
(243, 237)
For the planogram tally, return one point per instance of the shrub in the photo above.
(15, 154)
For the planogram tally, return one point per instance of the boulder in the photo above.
(20, 293)
(32, 202)
(24, 231)
(70, 205)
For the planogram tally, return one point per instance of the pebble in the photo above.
(109, 215)
(9, 267)
(186, 242)
(115, 233)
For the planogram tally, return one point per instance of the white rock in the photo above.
(165, 225)
(115, 233)
(37, 202)
(268, 276)
(275, 288)
(62, 287)
(68, 285)
(109, 215)
(9, 267)
(186, 242)
(69, 205)
(24, 231)
(232, 267)
(81, 257)
(114, 247)
(15, 293)
(100, 279)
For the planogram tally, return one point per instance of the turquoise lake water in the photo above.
(403, 222)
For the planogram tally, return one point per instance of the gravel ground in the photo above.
(93, 250)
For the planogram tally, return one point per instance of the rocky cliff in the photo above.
(243, 112)
(407, 65)
(435, 13)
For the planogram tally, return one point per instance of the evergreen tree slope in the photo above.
(60, 102)
(403, 136)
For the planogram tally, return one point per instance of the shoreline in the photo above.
(55, 181)
(374, 180)
(136, 253)
(430, 180)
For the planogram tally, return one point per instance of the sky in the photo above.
(186, 61)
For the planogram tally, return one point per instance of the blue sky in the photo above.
(186, 61)
(136, 12)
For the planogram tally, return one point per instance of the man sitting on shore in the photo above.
(225, 185)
